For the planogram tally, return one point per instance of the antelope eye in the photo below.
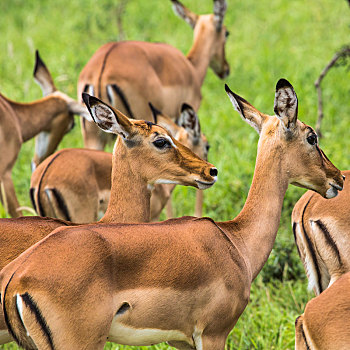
(161, 143)
(207, 147)
(227, 34)
(312, 139)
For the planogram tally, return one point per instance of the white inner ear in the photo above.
(106, 120)
(286, 103)
(235, 105)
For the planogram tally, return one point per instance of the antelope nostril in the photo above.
(213, 172)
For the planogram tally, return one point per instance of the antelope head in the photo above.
(186, 130)
(285, 139)
(211, 27)
(165, 158)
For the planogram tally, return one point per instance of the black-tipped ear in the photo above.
(106, 117)
(155, 112)
(220, 7)
(190, 122)
(247, 111)
(42, 76)
(183, 12)
(286, 103)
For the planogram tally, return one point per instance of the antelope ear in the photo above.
(183, 12)
(108, 118)
(220, 7)
(42, 76)
(248, 112)
(190, 122)
(286, 104)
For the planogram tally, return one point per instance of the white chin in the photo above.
(331, 192)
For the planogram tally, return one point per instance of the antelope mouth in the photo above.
(333, 190)
(203, 185)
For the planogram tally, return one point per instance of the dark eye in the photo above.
(207, 147)
(312, 139)
(161, 143)
(227, 34)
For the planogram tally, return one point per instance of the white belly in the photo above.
(122, 334)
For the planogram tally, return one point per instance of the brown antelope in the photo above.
(144, 155)
(325, 323)
(22, 121)
(75, 184)
(322, 235)
(186, 280)
(130, 74)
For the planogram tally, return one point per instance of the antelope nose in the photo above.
(213, 172)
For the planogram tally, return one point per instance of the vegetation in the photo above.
(269, 39)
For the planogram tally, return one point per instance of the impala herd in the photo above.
(118, 276)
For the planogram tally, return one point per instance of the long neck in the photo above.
(201, 50)
(255, 228)
(130, 197)
(34, 117)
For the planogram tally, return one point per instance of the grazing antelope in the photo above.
(130, 74)
(322, 235)
(325, 323)
(20, 122)
(144, 155)
(186, 280)
(169, 78)
(75, 184)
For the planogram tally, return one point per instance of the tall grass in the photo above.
(269, 39)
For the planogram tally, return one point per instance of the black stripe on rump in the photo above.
(60, 201)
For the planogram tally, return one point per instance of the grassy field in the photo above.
(269, 39)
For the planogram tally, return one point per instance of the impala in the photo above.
(75, 184)
(325, 323)
(186, 280)
(322, 234)
(130, 74)
(22, 121)
(144, 155)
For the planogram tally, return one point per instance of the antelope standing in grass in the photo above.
(75, 184)
(130, 74)
(145, 154)
(19, 122)
(325, 323)
(322, 234)
(186, 280)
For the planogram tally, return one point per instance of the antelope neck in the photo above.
(200, 52)
(130, 196)
(35, 116)
(256, 226)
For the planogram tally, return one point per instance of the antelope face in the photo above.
(169, 160)
(313, 169)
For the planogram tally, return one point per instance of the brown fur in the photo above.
(189, 277)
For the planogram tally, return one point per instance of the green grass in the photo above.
(269, 39)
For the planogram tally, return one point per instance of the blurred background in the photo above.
(269, 39)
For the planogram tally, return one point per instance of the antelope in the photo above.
(22, 121)
(325, 323)
(75, 184)
(322, 235)
(130, 74)
(145, 155)
(185, 281)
